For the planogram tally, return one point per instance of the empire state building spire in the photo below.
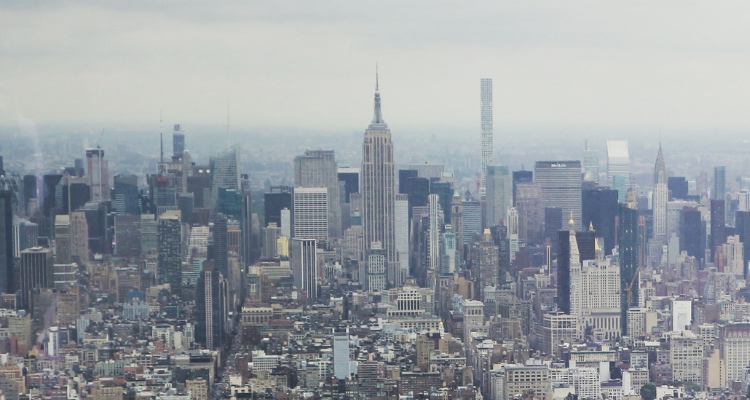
(377, 119)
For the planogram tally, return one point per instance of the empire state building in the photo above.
(378, 186)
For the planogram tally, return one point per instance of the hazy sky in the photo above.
(595, 65)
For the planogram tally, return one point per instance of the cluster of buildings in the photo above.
(374, 281)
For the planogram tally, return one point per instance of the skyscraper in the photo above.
(304, 263)
(97, 175)
(718, 228)
(37, 271)
(720, 183)
(378, 184)
(590, 164)
(661, 196)
(170, 252)
(690, 232)
(600, 212)
(62, 239)
(225, 173)
(520, 177)
(211, 307)
(126, 194)
(486, 121)
(6, 242)
(498, 192)
(561, 187)
(678, 187)
(279, 198)
(350, 177)
(618, 167)
(402, 234)
(318, 168)
(178, 141)
(584, 248)
(311, 213)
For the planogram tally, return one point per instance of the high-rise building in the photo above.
(79, 237)
(487, 258)
(225, 173)
(690, 232)
(595, 294)
(127, 236)
(279, 198)
(520, 177)
(126, 194)
(304, 263)
(590, 164)
(720, 183)
(220, 252)
(486, 121)
(561, 187)
(98, 174)
(378, 184)
(660, 198)
(629, 242)
(718, 228)
(341, 353)
(149, 234)
(618, 165)
(409, 183)
(600, 212)
(528, 201)
(678, 187)
(311, 213)
(62, 239)
(170, 252)
(37, 272)
(318, 168)
(350, 177)
(585, 245)
(29, 191)
(211, 308)
(435, 227)
(402, 233)
(7, 284)
(246, 225)
(178, 141)
(498, 192)
(742, 228)
(428, 171)
(471, 220)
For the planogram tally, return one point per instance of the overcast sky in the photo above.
(596, 65)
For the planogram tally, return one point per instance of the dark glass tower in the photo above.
(599, 208)
(742, 228)
(690, 232)
(6, 242)
(170, 252)
(678, 187)
(718, 228)
(279, 198)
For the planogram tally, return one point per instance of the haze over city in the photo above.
(374, 200)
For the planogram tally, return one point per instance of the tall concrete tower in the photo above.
(486, 101)
(378, 185)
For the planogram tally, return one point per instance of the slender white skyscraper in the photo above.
(378, 185)
(402, 236)
(486, 101)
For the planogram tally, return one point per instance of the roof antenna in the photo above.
(229, 133)
(161, 139)
(376, 76)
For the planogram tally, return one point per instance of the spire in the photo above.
(377, 119)
(660, 169)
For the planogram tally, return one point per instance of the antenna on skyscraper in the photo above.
(229, 133)
(161, 140)
(376, 76)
